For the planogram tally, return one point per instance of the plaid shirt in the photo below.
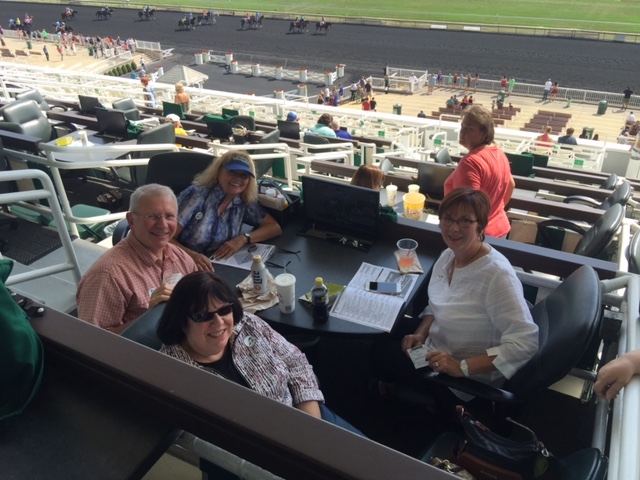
(117, 288)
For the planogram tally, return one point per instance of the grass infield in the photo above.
(599, 15)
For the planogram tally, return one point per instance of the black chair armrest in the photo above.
(582, 200)
(471, 387)
(557, 222)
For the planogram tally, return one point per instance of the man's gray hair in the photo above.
(150, 190)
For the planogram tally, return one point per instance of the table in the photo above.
(335, 263)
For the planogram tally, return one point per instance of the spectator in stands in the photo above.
(503, 83)
(499, 103)
(554, 91)
(465, 102)
(631, 118)
(131, 277)
(485, 167)
(149, 92)
(175, 119)
(545, 139)
(456, 101)
(205, 326)
(422, 114)
(477, 323)
(323, 126)
(635, 128)
(616, 374)
(368, 176)
(366, 104)
(476, 81)
(373, 104)
(596, 137)
(293, 117)
(214, 208)
(568, 139)
(320, 99)
(583, 134)
(387, 83)
(335, 126)
(626, 97)
(182, 98)
(512, 84)
(45, 50)
(353, 89)
(547, 90)
(450, 102)
(327, 95)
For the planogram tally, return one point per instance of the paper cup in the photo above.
(413, 205)
(413, 188)
(286, 288)
(392, 190)
(82, 135)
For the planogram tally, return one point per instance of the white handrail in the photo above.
(48, 193)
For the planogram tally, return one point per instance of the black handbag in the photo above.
(488, 455)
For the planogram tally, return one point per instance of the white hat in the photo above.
(172, 117)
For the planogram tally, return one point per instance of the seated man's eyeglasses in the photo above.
(156, 217)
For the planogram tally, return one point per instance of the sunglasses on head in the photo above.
(208, 316)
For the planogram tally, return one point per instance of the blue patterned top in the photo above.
(203, 230)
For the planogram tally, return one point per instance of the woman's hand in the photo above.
(202, 261)
(230, 247)
(410, 341)
(442, 362)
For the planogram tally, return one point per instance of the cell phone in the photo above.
(383, 287)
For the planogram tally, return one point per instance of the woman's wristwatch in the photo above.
(248, 237)
(464, 367)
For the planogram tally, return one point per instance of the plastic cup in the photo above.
(414, 188)
(172, 280)
(392, 190)
(413, 205)
(82, 135)
(286, 289)
(406, 248)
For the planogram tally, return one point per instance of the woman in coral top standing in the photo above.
(485, 167)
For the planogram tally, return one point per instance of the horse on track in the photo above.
(104, 14)
(252, 22)
(66, 17)
(147, 14)
(323, 27)
(208, 19)
(299, 26)
(187, 23)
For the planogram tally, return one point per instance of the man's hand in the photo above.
(160, 294)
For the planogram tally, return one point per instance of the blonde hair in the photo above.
(209, 177)
(179, 88)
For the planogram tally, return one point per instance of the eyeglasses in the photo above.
(208, 316)
(463, 222)
(156, 217)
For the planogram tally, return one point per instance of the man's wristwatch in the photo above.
(248, 237)
(464, 367)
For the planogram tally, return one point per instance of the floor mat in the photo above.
(27, 243)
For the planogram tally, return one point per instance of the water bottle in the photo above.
(320, 301)
(259, 275)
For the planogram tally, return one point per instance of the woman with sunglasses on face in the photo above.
(211, 212)
(485, 167)
(204, 325)
(477, 323)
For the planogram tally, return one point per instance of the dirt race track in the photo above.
(365, 49)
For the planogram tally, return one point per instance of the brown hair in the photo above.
(483, 118)
(368, 176)
(467, 198)
(145, 81)
(325, 119)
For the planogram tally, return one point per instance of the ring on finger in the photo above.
(437, 364)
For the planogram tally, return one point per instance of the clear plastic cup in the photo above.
(407, 251)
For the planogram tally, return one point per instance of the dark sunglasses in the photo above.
(208, 316)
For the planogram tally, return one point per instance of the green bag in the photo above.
(21, 352)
